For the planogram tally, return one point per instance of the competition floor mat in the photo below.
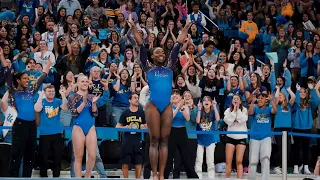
(118, 175)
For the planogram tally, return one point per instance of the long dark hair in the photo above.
(203, 112)
(125, 59)
(258, 82)
(192, 79)
(240, 105)
(65, 81)
(128, 81)
(112, 54)
(17, 76)
(211, 82)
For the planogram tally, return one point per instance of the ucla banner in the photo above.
(10, 116)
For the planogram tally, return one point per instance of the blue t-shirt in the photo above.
(121, 97)
(206, 124)
(178, 120)
(33, 76)
(261, 122)
(283, 117)
(50, 117)
(24, 101)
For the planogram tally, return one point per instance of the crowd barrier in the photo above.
(284, 135)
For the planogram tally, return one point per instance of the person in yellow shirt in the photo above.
(249, 27)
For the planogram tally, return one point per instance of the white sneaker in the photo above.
(306, 170)
(295, 169)
(277, 170)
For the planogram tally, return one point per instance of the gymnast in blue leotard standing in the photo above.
(84, 109)
(158, 110)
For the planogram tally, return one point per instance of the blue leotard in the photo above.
(85, 119)
(160, 78)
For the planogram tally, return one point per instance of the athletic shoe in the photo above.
(277, 170)
(295, 169)
(306, 170)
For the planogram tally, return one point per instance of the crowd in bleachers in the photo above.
(245, 65)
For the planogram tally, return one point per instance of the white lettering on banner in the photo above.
(10, 116)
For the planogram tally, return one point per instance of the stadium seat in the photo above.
(110, 153)
(103, 135)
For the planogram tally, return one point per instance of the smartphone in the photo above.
(232, 47)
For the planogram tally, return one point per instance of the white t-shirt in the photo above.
(44, 58)
(48, 37)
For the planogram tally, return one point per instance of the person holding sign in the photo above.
(50, 137)
(24, 130)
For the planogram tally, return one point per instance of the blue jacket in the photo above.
(302, 118)
(267, 41)
(304, 64)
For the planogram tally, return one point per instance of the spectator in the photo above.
(211, 54)
(182, 9)
(49, 35)
(281, 46)
(249, 27)
(260, 145)
(294, 57)
(50, 140)
(44, 55)
(130, 11)
(178, 136)
(131, 150)
(282, 122)
(302, 122)
(308, 62)
(122, 91)
(70, 6)
(95, 11)
(207, 115)
(235, 117)
(197, 17)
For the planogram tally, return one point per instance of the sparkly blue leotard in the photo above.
(85, 119)
(160, 78)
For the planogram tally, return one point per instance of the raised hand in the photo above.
(62, 91)
(298, 87)
(104, 82)
(117, 75)
(199, 106)
(214, 103)
(41, 93)
(271, 62)
(95, 99)
(270, 96)
(181, 103)
(285, 63)
(1, 52)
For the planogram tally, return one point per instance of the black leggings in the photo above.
(24, 141)
(178, 139)
(279, 145)
(301, 143)
(53, 143)
(178, 166)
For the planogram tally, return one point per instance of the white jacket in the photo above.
(236, 122)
